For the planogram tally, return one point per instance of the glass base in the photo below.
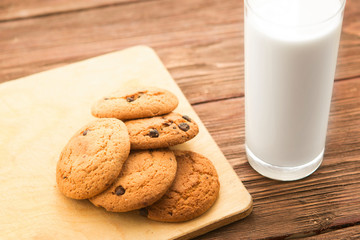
(283, 173)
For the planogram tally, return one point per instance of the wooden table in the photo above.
(201, 43)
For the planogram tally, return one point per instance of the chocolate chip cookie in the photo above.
(93, 158)
(162, 131)
(145, 178)
(133, 103)
(193, 192)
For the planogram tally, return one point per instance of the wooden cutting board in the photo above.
(39, 114)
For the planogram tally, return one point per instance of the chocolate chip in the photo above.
(174, 127)
(166, 124)
(154, 133)
(187, 118)
(144, 212)
(184, 126)
(119, 190)
(170, 213)
(106, 98)
(85, 132)
(64, 177)
(130, 99)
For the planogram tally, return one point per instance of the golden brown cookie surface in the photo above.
(133, 103)
(161, 131)
(93, 158)
(145, 178)
(193, 192)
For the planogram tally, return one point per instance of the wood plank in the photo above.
(200, 42)
(39, 115)
(347, 233)
(92, 34)
(14, 10)
(348, 65)
(328, 199)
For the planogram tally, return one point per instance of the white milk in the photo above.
(289, 74)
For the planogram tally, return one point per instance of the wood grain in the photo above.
(328, 199)
(15, 10)
(349, 233)
(200, 42)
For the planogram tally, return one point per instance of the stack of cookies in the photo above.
(122, 162)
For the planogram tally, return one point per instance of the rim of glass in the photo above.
(341, 8)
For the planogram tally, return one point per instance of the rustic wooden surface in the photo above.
(201, 43)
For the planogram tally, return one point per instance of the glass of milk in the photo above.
(291, 49)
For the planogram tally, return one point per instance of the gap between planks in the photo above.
(75, 10)
(342, 233)
(217, 100)
(317, 233)
(346, 78)
(243, 95)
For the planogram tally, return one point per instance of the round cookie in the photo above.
(145, 178)
(133, 103)
(194, 191)
(162, 131)
(93, 158)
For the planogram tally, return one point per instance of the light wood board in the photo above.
(38, 115)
